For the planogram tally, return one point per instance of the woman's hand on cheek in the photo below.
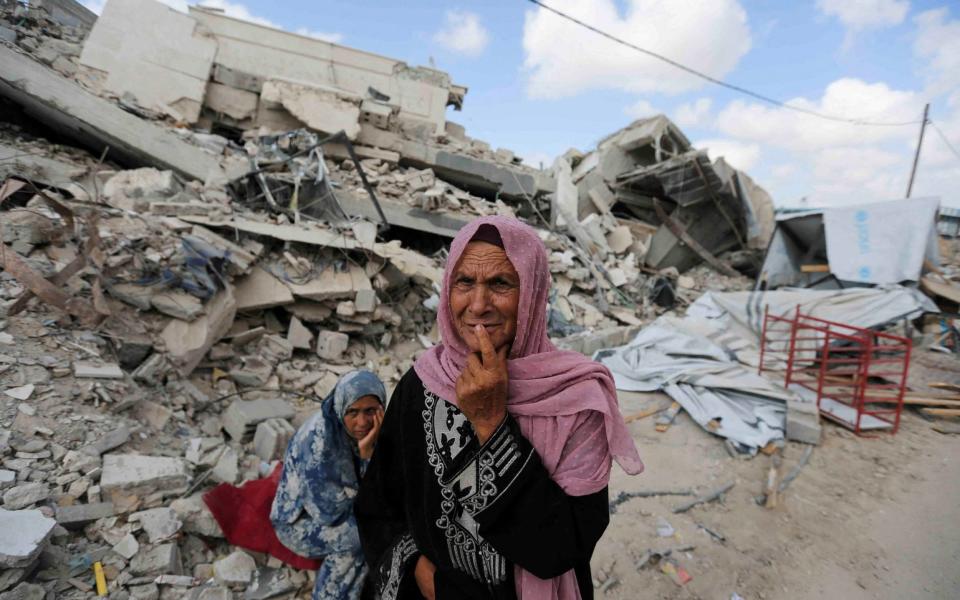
(369, 441)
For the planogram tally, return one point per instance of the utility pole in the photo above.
(916, 156)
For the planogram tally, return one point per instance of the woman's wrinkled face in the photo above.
(485, 290)
(358, 418)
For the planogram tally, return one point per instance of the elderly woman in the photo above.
(312, 512)
(490, 476)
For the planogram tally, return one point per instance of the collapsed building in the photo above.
(207, 221)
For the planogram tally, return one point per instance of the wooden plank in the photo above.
(643, 414)
(942, 412)
(814, 268)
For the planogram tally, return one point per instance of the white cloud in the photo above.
(462, 33)
(326, 36)
(743, 156)
(640, 109)
(938, 43)
(865, 14)
(563, 59)
(851, 98)
(692, 114)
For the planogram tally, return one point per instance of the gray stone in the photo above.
(332, 344)
(134, 472)
(108, 442)
(366, 301)
(93, 371)
(127, 547)
(227, 468)
(238, 568)
(32, 529)
(7, 479)
(215, 593)
(79, 515)
(7, 34)
(132, 294)
(271, 439)
(255, 372)
(178, 304)
(25, 591)
(157, 560)
(148, 591)
(196, 516)
(25, 495)
(298, 335)
(241, 418)
(159, 523)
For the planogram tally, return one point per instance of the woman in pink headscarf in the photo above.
(489, 478)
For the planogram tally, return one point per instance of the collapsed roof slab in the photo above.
(96, 123)
(400, 214)
(160, 55)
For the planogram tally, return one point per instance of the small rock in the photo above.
(159, 523)
(25, 495)
(32, 528)
(236, 568)
(127, 547)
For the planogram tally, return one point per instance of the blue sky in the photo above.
(539, 85)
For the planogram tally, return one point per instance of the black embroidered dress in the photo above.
(474, 511)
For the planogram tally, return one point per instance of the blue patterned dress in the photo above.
(312, 512)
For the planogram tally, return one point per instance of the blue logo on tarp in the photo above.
(864, 272)
(861, 221)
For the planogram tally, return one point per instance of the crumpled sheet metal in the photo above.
(705, 378)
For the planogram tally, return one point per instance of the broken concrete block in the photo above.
(366, 301)
(187, 343)
(134, 472)
(78, 515)
(620, 239)
(196, 516)
(26, 227)
(271, 439)
(25, 591)
(108, 441)
(332, 344)
(260, 290)
(227, 468)
(147, 591)
(135, 295)
(165, 72)
(255, 372)
(137, 187)
(242, 417)
(157, 560)
(298, 335)
(419, 180)
(94, 371)
(159, 523)
(324, 109)
(26, 535)
(24, 495)
(153, 414)
(178, 304)
(332, 284)
(7, 479)
(127, 547)
(235, 103)
(803, 422)
(237, 568)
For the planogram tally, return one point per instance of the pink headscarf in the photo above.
(552, 393)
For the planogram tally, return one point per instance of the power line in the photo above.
(720, 82)
(944, 138)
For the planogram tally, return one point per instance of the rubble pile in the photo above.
(192, 255)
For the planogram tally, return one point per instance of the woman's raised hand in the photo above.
(482, 387)
(370, 440)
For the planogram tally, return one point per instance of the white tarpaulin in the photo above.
(720, 394)
(884, 242)
(739, 315)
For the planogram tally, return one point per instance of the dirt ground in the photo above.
(867, 518)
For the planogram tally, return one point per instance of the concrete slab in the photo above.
(96, 123)
(160, 55)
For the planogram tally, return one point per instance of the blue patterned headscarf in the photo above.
(319, 468)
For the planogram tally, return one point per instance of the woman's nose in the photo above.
(479, 300)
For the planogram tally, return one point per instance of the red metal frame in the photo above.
(854, 371)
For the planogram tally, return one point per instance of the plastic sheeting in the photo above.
(707, 361)
(723, 396)
(878, 243)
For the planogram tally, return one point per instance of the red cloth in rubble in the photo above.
(244, 516)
